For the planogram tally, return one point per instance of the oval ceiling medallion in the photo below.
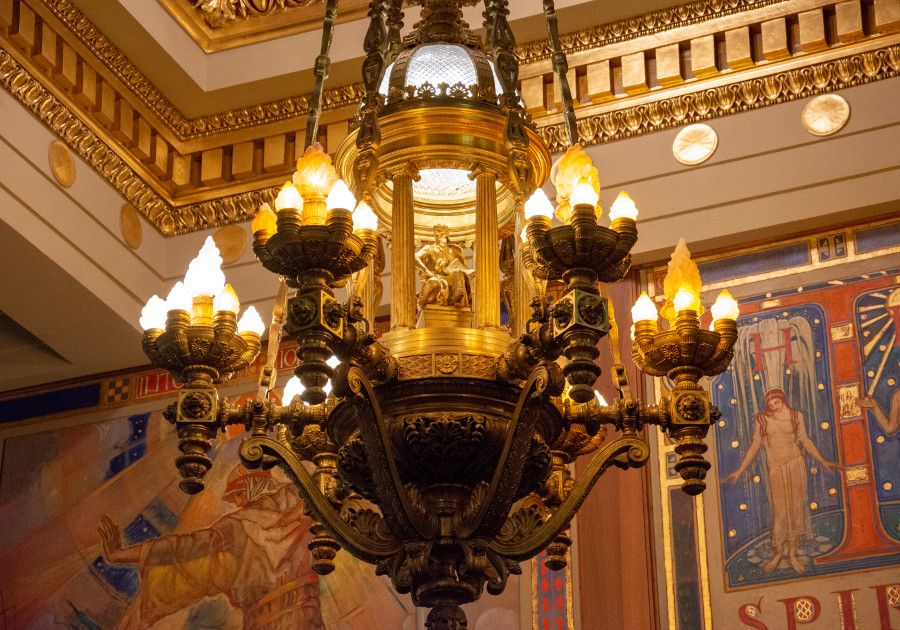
(825, 114)
(695, 144)
(231, 241)
(130, 226)
(62, 164)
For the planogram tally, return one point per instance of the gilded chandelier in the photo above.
(440, 452)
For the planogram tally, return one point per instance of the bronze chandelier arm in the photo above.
(255, 449)
(624, 452)
(408, 524)
(323, 62)
(561, 68)
(507, 474)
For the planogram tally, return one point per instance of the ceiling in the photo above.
(200, 83)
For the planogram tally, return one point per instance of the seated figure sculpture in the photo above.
(446, 279)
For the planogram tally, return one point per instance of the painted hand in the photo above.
(110, 540)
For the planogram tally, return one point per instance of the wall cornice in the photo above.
(185, 174)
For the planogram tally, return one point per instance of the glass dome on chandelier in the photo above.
(435, 64)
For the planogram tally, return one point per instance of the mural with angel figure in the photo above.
(804, 476)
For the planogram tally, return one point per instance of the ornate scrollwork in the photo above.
(691, 407)
(219, 13)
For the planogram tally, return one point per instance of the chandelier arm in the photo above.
(625, 452)
(405, 520)
(543, 381)
(268, 374)
(254, 451)
(323, 63)
(619, 375)
(561, 68)
(394, 25)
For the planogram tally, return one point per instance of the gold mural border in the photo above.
(638, 26)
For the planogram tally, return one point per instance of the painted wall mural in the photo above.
(97, 534)
(801, 523)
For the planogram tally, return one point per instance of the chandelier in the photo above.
(440, 451)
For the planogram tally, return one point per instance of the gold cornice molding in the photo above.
(183, 128)
(243, 22)
(844, 72)
(226, 164)
(731, 98)
(166, 218)
(638, 26)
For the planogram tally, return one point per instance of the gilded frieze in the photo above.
(729, 99)
(638, 26)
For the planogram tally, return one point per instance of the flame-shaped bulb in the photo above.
(153, 315)
(538, 205)
(250, 321)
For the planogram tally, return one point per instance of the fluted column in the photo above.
(403, 270)
(486, 311)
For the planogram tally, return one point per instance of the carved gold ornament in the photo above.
(130, 226)
(232, 242)
(695, 144)
(825, 114)
(62, 165)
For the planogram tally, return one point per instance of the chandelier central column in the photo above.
(403, 274)
(487, 255)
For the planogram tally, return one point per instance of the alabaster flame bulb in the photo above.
(538, 205)
(178, 298)
(600, 398)
(292, 389)
(685, 300)
(251, 322)
(264, 221)
(623, 208)
(204, 275)
(153, 315)
(584, 194)
(227, 300)
(725, 307)
(364, 217)
(340, 197)
(644, 310)
(288, 198)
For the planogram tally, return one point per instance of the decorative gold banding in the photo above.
(741, 96)
(186, 175)
(638, 26)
